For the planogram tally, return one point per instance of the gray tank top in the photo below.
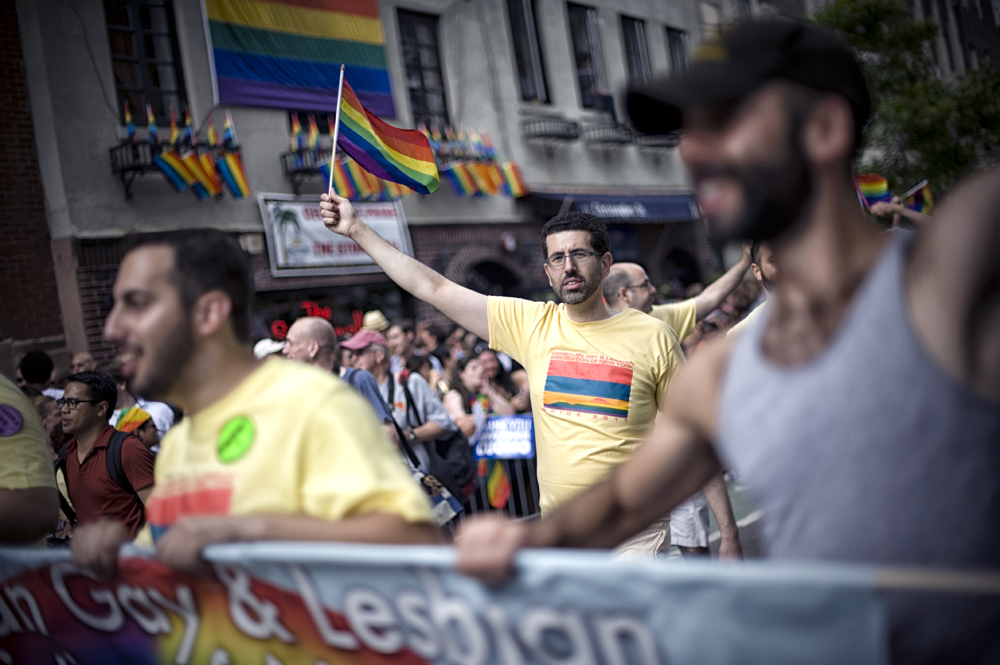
(869, 452)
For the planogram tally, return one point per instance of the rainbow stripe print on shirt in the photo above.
(591, 384)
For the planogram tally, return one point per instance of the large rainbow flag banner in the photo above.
(400, 155)
(287, 53)
(587, 384)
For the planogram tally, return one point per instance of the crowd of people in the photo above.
(860, 404)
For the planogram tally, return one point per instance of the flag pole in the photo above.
(336, 129)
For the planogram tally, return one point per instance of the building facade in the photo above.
(542, 77)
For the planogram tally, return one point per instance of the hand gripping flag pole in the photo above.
(336, 128)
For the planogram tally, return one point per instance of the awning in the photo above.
(638, 208)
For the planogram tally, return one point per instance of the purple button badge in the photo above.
(11, 420)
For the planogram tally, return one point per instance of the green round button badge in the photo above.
(236, 438)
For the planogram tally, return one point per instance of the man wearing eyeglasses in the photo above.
(86, 405)
(597, 375)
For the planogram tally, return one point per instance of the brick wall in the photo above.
(28, 296)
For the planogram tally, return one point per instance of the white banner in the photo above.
(300, 245)
(507, 437)
(284, 603)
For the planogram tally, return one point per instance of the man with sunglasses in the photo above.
(597, 375)
(86, 405)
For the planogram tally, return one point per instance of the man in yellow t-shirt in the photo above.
(266, 451)
(628, 285)
(597, 376)
(29, 505)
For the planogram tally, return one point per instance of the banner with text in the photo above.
(300, 245)
(283, 603)
(507, 437)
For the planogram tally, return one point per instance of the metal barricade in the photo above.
(522, 501)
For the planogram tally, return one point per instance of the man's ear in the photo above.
(756, 272)
(211, 312)
(828, 134)
(606, 262)
(313, 348)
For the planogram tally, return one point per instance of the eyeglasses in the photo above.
(73, 403)
(641, 285)
(577, 256)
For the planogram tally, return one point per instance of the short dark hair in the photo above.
(416, 362)
(36, 367)
(406, 325)
(578, 221)
(205, 260)
(755, 252)
(100, 387)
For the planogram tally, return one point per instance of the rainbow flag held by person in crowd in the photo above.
(132, 419)
(497, 481)
(919, 198)
(129, 125)
(873, 187)
(400, 155)
(151, 123)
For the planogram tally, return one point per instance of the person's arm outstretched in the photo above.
(711, 298)
(463, 306)
(675, 460)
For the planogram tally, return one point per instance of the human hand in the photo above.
(96, 546)
(745, 257)
(522, 400)
(883, 208)
(338, 214)
(730, 547)
(485, 547)
(183, 543)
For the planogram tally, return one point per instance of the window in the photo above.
(418, 34)
(677, 49)
(636, 53)
(144, 57)
(527, 51)
(587, 57)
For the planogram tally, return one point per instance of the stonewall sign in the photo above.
(322, 604)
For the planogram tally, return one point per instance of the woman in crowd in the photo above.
(472, 399)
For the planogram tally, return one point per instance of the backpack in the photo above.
(113, 460)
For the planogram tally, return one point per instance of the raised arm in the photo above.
(898, 210)
(463, 306)
(952, 283)
(675, 460)
(709, 300)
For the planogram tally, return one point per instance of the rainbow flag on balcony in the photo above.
(461, 181)
(400, 155)
(287, 54)
(514, 183)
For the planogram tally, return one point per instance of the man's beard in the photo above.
(168, 363)
(776, 195)
(590, 287)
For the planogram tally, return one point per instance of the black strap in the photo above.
(60, 465)
(116, 470)
(403, 440)
(411, 408)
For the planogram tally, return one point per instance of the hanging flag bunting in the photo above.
(288, 54)
(400, 155)
(169, 162)
(231, 164)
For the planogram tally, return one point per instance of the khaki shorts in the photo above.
(653, 543)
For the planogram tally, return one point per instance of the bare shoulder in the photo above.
(694, 394)
(954, 261)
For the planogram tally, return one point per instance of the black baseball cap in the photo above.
(743, 59)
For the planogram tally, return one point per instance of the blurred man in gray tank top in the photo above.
(862, 409)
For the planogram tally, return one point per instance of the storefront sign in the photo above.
(299, 244)
(283, 603)
(507, 437)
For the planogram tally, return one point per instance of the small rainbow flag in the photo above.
(341, 181)
(873, 187)
(151, 122)
(205, 185)
(175, 133)
(460, 179)
(497, 484)
(169, 162)
(188, 138)
(920, 198)
(296, 132)
(402, 156)
(207, 159)
(132, 419)
(313, 142)
(514, 182)
(129, 125)
(233, 174)
(360, 179)
(228, 135)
